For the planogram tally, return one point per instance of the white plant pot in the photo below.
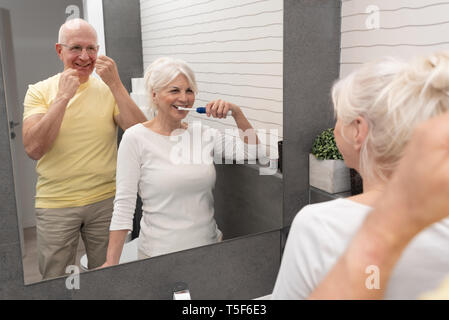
(331, 176)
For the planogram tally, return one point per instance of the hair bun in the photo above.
(438, 66)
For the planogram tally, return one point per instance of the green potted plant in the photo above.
(327, 170)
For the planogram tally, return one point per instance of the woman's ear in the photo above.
(153, 96)
(360, 132)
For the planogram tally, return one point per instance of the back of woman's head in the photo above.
(393, 97)
(163, 71)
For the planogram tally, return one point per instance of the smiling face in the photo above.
(82, 36)
(177, 93)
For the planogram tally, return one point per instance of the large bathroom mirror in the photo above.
(235, 49)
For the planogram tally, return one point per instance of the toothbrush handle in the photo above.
(203, 110)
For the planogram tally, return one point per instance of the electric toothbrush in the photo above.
(200, 110)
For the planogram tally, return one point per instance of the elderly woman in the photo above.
(377, 108)
(171, 167)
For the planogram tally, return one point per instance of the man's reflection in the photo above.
(70, 127)
(175, 180)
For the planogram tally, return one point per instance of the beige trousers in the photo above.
(58, 232)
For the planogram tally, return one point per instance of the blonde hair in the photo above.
(393, 97)
(164, 70)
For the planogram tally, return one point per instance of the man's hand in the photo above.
(69, 83)
(129, 114)
(41, 130)
(107, 70)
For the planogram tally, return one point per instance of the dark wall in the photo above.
(123, 38)
(10, 251)
(245, 201)
(311, 65)
(123, 41)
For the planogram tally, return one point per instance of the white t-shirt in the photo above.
(320, 234)
(174, 176)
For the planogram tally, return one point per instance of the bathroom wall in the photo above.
(311, 65)
(251, 207)
(10, 248)
(374, 28)
(123, 40)
(235, 48)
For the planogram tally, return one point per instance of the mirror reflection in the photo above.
(179, 178)
(170, 164)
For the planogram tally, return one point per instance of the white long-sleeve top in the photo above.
(174, 176)
(320, 234)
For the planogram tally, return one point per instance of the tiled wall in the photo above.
(235, 48)
(374, 28)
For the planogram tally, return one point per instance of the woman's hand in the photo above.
(104, 265)
(420, 185)
(219, 109)
(115, 247)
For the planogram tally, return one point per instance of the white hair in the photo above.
(393, 97)
(73, 24)
(164, 70)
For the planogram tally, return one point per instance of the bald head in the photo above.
(74, 26)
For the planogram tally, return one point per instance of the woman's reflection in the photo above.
(174, 179)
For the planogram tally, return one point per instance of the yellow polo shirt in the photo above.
(79, 169)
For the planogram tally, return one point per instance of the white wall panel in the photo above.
(407, 28)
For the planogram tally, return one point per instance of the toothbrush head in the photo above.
(186, 109)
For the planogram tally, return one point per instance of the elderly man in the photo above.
(70, 127)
